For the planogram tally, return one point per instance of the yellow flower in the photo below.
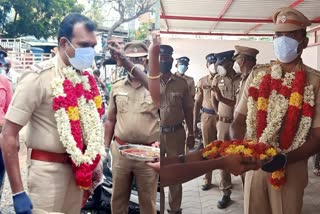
(73, 113)
(239, 148)
(231, 149)
(247, 152)
(98, 101)
(296, 100)
(263, 156)
(278, 174)
(271, 152)
(262, 104)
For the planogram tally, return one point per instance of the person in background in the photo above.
(101, 86)
(182, 68)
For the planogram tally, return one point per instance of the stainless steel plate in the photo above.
(150, 153)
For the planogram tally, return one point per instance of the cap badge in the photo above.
(283, 19)
(135, 50)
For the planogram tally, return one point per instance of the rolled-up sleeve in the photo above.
(27, 97)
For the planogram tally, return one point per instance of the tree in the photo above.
(127, 10)
(142, 32)
(39, 18)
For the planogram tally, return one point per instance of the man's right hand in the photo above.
(22, 203)
(236, 164)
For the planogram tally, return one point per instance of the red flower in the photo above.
(254, 93)
(307, 110)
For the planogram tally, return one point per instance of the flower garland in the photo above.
(280, 112)
(259, 151)
(78, 109)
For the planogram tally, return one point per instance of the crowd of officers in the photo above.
(215, 96)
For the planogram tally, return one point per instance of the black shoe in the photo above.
(174, 212)
(206, 187)
(224, 202)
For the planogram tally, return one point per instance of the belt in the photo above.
(50, 156)
(170, 129)
(225, 119)
(122, 143)
(208, 111)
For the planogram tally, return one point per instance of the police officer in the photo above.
(182, 67)
(176, 105)
(290, 39)
(208, 117)
(131, 106)
(32, 102)
(225, 85)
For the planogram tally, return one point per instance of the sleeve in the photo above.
(193, 88)
(8, 95)
(242, 107)
(27, 97)
(187, 99)
(112, 105)
(199, 92)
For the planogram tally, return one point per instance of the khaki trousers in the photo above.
(172, 144)
(209, 134)
(260, 197)
(223, 134)
(123, 170)
(52, 188)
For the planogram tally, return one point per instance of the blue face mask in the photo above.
(182, 68)
(83, 57)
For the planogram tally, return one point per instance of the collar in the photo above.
(130, 82)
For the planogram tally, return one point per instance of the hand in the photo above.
(236, 164)
(190, 141)
(117, 52)
(154, 165)
(156, 144)
(277, 162)
(154, 47)
(217, 92)
(22, 203)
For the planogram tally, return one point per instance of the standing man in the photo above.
(225, 85)
(176, 105)
(299, 81)
(131, 106)
(182, 67)
(208, 117)
(52, 179)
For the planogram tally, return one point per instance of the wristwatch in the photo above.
(182, 158)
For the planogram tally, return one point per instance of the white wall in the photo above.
(197, 49)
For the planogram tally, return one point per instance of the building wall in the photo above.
(197, 49)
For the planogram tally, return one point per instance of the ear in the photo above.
(63, 42)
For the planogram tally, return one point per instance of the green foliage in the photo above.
(142, 32)
(40, 18)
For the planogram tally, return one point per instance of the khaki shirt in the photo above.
(32, 102)
(313, 77)
(137, 116)
(228, 87)
(240, 90)
(203, 94)
(190, 82)
(175, 101)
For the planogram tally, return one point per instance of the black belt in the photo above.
(208, 111)
(170, 129)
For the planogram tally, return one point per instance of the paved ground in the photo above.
(196, 201)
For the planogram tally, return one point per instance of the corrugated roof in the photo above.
(231, 16)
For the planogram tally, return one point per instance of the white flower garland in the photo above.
(92, 129)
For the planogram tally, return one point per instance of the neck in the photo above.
(63, 57)
(288, 67)
(166, 76)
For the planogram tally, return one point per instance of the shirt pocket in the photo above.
(122, 103)
(175, 99)
(147, 104)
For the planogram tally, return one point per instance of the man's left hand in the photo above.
(116, 52)
(217, 93)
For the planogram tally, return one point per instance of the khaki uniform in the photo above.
(258, 193)
(134, 109)
(228, 87)
(190, 82)
(32, 102)
(208, 118)
(175, 101)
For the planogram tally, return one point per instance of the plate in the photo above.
(139, 152)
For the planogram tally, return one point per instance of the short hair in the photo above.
(67, 24)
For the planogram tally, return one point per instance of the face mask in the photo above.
(212, 69)
(83, 57)
(221, 71)
(182, 68)
(236, 67)
(165, 67)
(285, 49)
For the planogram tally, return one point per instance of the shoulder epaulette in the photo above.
(118, 80)
(313, 71)
(42, 66)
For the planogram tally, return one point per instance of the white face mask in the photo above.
(182, 68)
(221, 71)
(285, 49)
(83, 57)
(212, 69)
(236, 67)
